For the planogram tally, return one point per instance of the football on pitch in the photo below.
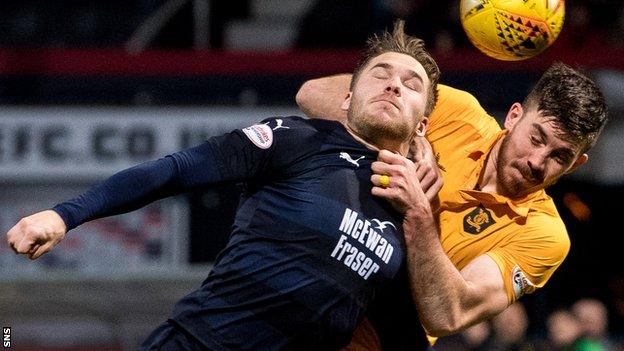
(512, 30)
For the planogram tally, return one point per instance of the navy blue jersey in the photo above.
(310, 244)
(394, 317)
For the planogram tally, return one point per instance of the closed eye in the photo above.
(535, 141)
(380, 72)
(562, 157)
(414, 84)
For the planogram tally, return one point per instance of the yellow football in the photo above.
(512, 30)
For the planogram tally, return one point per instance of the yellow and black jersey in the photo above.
(525, 237)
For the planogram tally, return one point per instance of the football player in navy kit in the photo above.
(310, 246)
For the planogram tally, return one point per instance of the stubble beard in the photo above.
(505, 184)
(374, 129)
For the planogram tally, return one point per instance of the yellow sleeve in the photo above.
(529, 259)
(455, 110)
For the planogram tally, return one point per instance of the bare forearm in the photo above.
(322, 97)
(445, 301)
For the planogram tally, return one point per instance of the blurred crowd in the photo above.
(332, 23)
(325, 23)
(582, 327)
(345, 24)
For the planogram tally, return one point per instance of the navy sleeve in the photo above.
(137, 186)
(233, 157)
(266, 151)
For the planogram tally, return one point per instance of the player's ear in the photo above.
(347, 102)
(579, 161)
(421, 127)
(513, 115)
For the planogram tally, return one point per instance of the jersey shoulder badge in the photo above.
(260, 134)
(521, 283)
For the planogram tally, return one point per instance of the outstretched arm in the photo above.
(123, 192)
(322, 97)
(447, 300)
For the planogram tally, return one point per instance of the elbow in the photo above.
(304, 95)
(439, 331)
(440, 328)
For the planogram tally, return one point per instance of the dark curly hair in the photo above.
(573, 101)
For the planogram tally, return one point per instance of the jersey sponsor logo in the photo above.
(260, 134)
(520, 282)
(361, 230)
(478, 220)
(382, 225)
(348, 158)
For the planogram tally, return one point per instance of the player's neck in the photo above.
(401, 148)
(487, 180)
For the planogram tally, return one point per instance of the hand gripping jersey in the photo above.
(525, 237)
(310, 244)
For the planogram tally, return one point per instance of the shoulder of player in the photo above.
(290, 131)
(545, 227)
(458, 106)
(457, 97)
(297, 123)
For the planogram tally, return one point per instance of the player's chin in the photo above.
(510, 187)
(524, 188)
(386, 111)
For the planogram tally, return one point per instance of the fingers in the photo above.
(432, 191)
(39, 250)
(392, 164)
(385, 193)
(378, 180)
(425, 174)
(36, 234)
(25, 245)
(391, 193)
(17, 240)
(390, 157)
(430, 178)
(392, 171)
(11, 241)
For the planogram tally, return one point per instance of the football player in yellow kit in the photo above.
(494, 234)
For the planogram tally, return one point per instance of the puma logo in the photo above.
(279, 125)
(348, 158)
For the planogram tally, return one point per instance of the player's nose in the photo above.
(394, 86)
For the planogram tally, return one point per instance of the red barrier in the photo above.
(97, 62)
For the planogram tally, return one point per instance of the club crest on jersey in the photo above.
(260, 134)
(478, 220)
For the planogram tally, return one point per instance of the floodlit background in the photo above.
(88, 88)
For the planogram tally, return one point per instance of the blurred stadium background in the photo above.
(90, 87)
